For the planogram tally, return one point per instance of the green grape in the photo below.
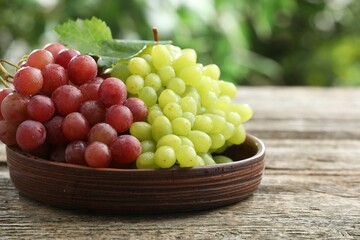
(147, 50)
(153, 114)
(191, 75)
(139, 66)
(215, 111)
(228, 130)
(181, 126)
(134, 83)
(166, 73)
(161, 126)
(161, 56)
(186, 58)
(186, 141)
(223, 103)
(205, 85)
(167, 96)
(153, 80)
(222, 159)
(234, 118)
(120, 71)
(244, 110)
(202, 141)
(148, 96)
(189, 116)
(213, 71)
(170, 140)
(219, 123)
(177, 85)
(199, 161)
(174, 51)
(141, 130)
(227, 89)
(217, 141)
(148, 58)
(189, 104)
(186, 156)
(165, 157)
(146, 160)
(222, 149)
(239, 135)
(172, 110)
(203, 123)
(207, 158)
(148, 146)
(208, 99)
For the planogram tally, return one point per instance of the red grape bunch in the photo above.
(60, 107)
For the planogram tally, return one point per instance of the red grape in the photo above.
(54, 133)
(81, 68)
(137, 108)
(75, 126)
(39, 58)
(74, 153)
(119, 117)
(67, 99)
(112, 91)
(90, 91)
(28, 81)
(14, 107)
(102, 132)
(63, 58)
(30, 134)
(54, 48)
(3, 93)
(41, 108)
(93, 111)
(125, 149)
(54, 76)
(57, 154)
(8, 132)
(97, 155)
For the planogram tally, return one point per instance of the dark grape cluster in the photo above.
(61, 108)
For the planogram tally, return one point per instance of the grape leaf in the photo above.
(85, 36)
(94, 37)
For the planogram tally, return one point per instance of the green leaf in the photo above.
(85, 36)
(93, 37)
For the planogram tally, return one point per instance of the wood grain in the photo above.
(310, 190)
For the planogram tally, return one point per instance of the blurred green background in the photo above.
(260, 42)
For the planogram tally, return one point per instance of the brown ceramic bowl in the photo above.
(136, 190)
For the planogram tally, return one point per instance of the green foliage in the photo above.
(277, 42)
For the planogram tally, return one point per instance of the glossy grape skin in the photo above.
(54, 48)
(90, 91)
(67, 99)
(14, 107)
(30, 134)
(54, 133)
(75, 153)
(119, 117)
(63, 57)
(93, 111)
(97, 155)
(54, 76)
(137, 108)
(39, 58)
(41, 108)
(102, 132)
(112, 91)
(75, 127)
(28, 81)
(125, 149)
(81, 69)
(3, 93)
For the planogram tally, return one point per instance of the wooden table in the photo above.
(311, 186)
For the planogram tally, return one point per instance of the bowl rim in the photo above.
(255, 141)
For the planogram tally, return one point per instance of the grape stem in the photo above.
(156, 35)
(6, 75)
